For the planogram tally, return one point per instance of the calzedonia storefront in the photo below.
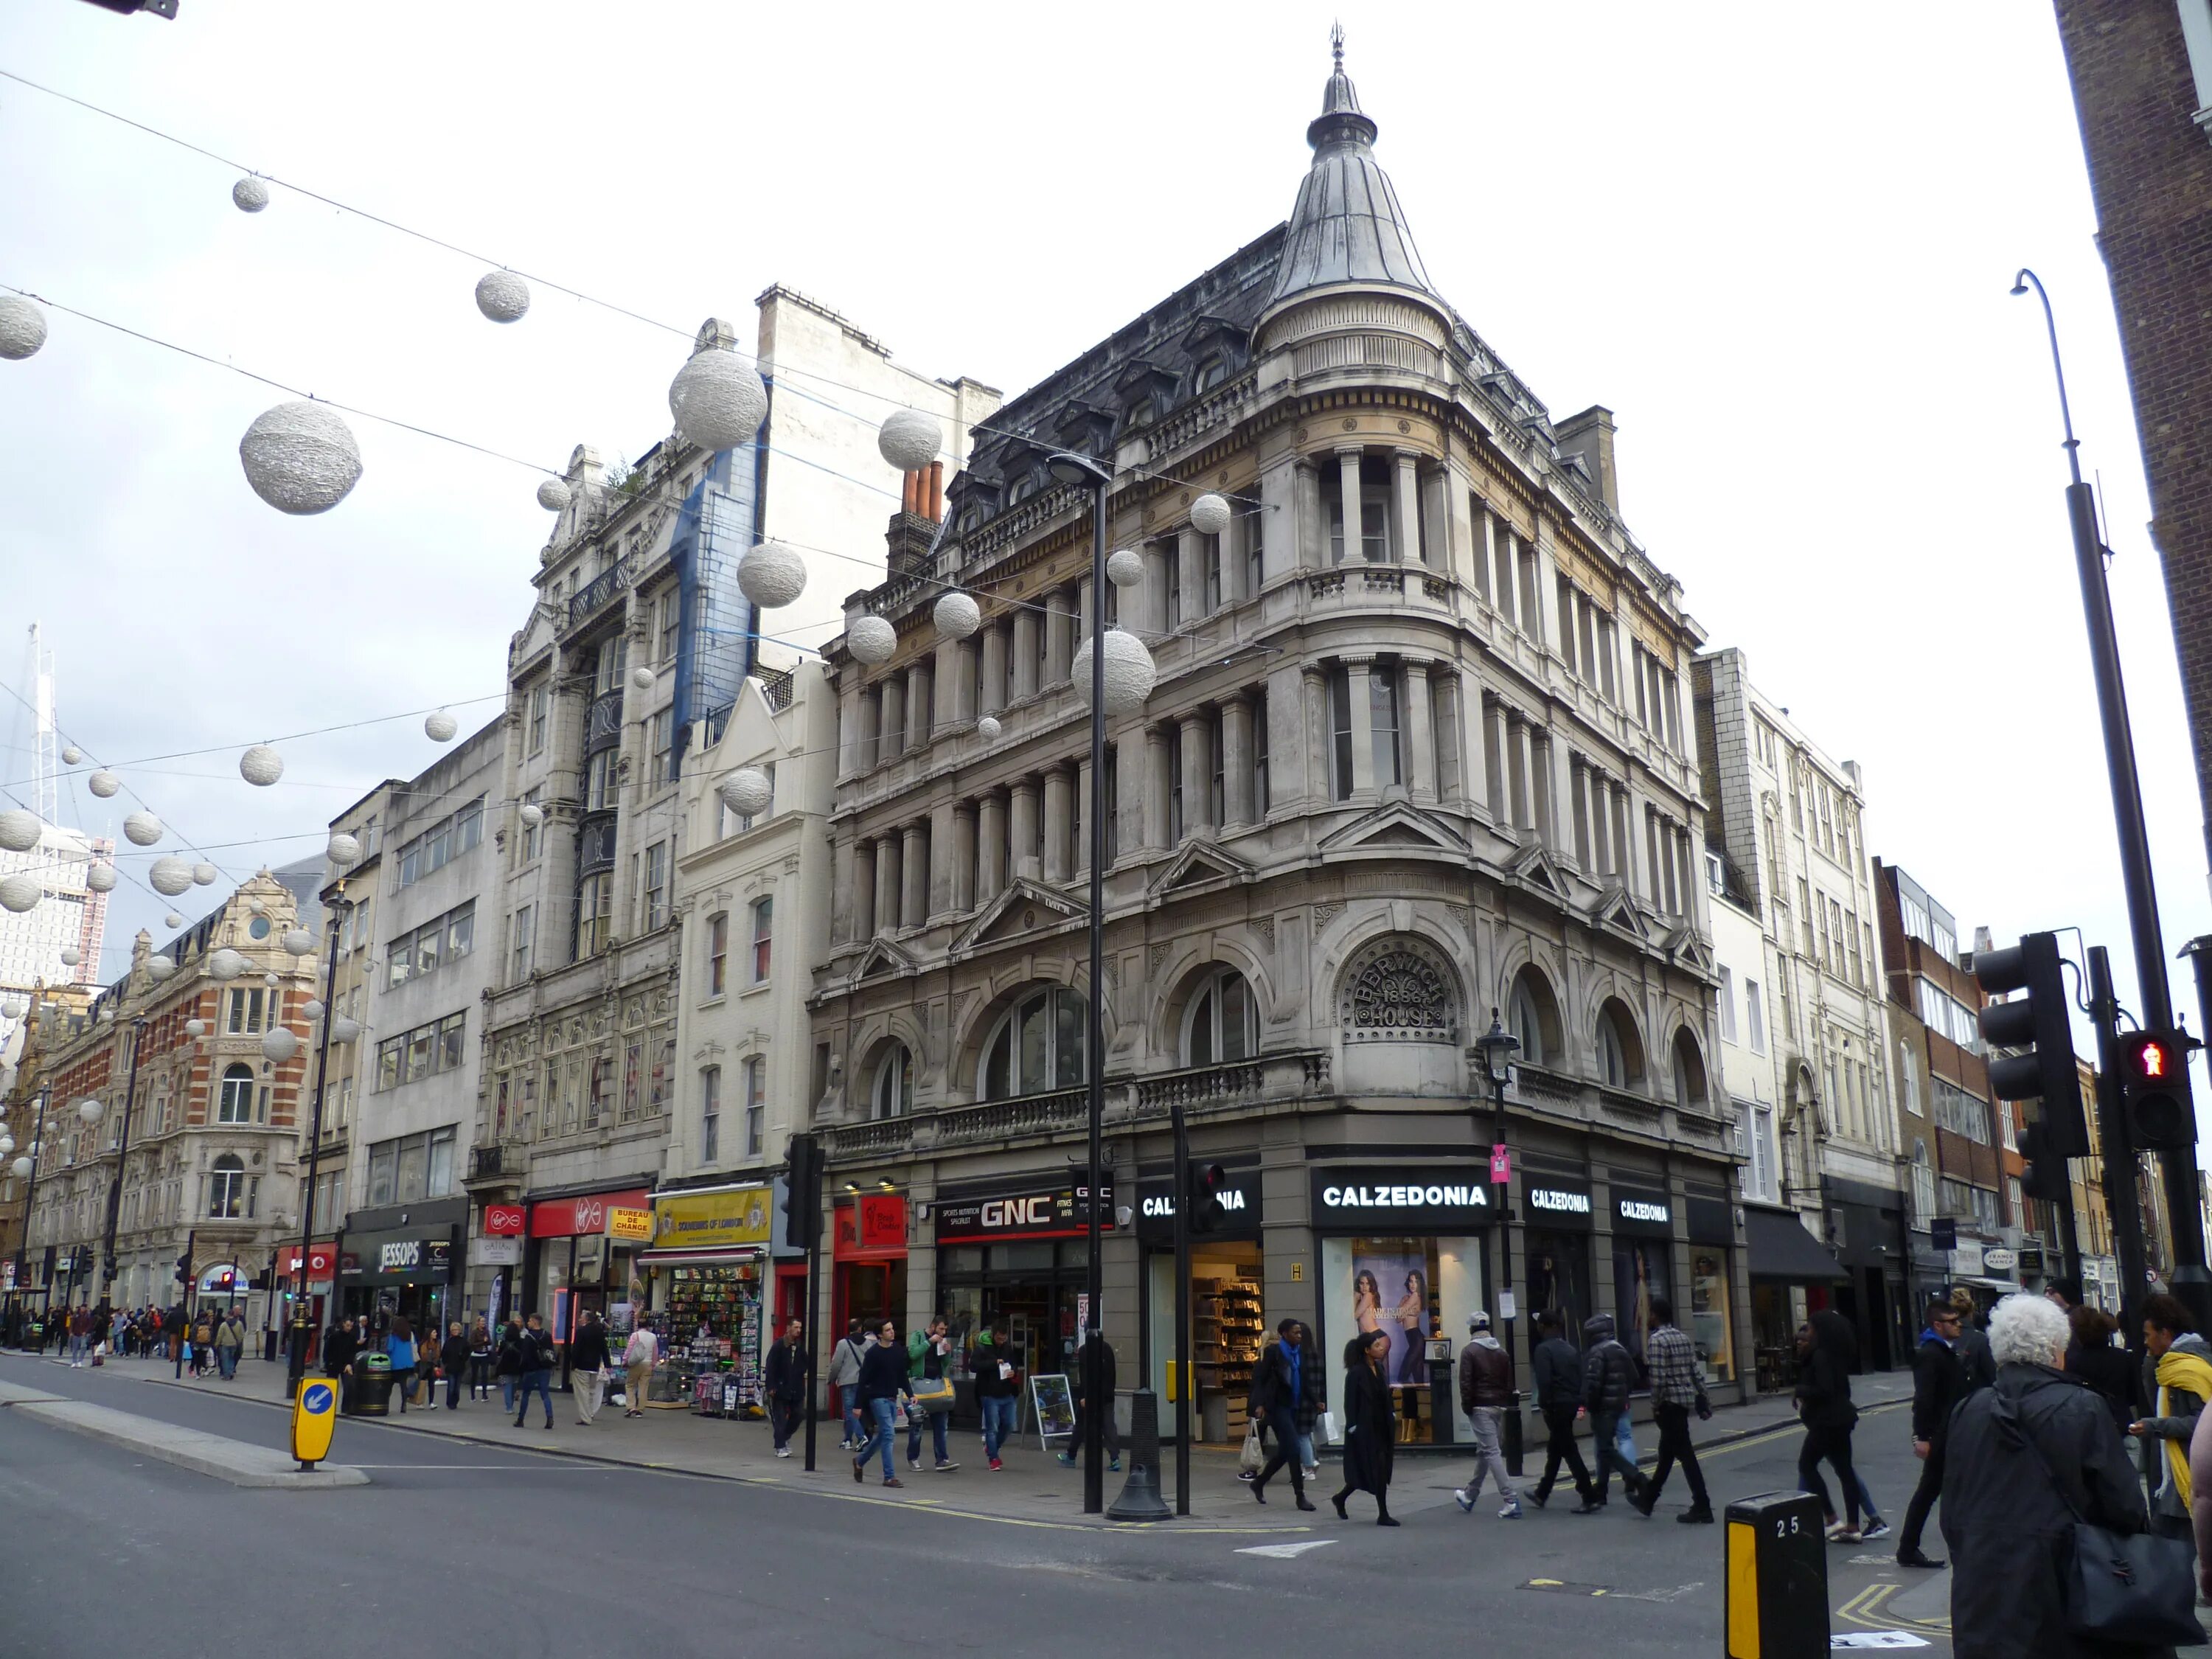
(1015, 1255)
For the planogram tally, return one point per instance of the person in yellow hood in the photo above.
(2181, 1368)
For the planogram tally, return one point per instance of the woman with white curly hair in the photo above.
(2008, 1515)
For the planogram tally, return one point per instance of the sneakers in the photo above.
(1591, 1507)
(1511, 1512)
(1644, 1502)
(783, 1451)
(945, 1466)
(913, 1464)
(1840, 1534)
(1114, 1466)
(1067, 1459)
(1875, 1529)
(859, 1472)
(996, 1465)
(1464, 1499)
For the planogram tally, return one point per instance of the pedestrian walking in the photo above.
(2110, 1371)
(1976, 1366)
(1486, 1389)
(229, 1344)
(881, 1382)
(929, 1361)
(639, 1355)
(998, 1391)
(453, 1360)
(844, 1372)
(2180, 1365)
(1824, 1406)
(1871, 1525)
(1110, 1432)
(783, 1380)
(1370, 1425)
(1559, 1378)
(536, 1357)
(481, 1351)
(1608, 1374)
(1677, 1390)
(399, 1351)
(1939, 1383)
(587, 1368)
(2025, 1459)
(507, 1362)
(1288, 1393)
(340, 1345)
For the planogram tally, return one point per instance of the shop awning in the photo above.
(704, 1257)
(1779, 1247)
(2007, 1285)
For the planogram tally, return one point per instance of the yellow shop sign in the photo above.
(706, 1220)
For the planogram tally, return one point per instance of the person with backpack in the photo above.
(229, 1343)
(929, 1363)
(844, 1371)
(1559, 1378)
(508, 1367)
(536, 1359)
(1288, 1396)
(1609, 1374)
(640, 1354)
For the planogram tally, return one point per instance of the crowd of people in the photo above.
(214, 1339)
(519, 1360)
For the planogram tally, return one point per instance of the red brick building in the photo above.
(2141, 71)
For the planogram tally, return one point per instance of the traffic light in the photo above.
(2041, 1023)
(1207, 1183)
(184, 1269)
(2155, 1091)
(2047, 1176)
(802, 1195)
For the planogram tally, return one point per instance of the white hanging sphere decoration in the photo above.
(344, 1030)
(280, 1045)
(19, 829)
(642, 678)
(141, 829)
(343, 850)
(226, 963)
(21, 1166)
(71, 755)
(871, 639)
(1130, 672)
(90, 1109)
(160, 967)
(299, 942)
(502, 296)
(13, 1007)
(249, 194)
(270, 979)
(206, 875)
(772, 574)
(21, 893)
(1125, 568)
(440, 726)
(718, 400)
(71, 956)
(100, 878)
(195, 1027)
(7, 1144)
(1210, 514)
(169, 877)
(553, 494)
(261, 765)
(312, 1008)
(173, 920)
(958, 615)
(988, 728)
(301, 456)
(104, 785)
(909, 440)
(22, 327)
(532, 814)
(748, 791)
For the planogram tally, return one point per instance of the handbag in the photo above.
(933, 1393)
(2123, 1586)
(1253, 1457)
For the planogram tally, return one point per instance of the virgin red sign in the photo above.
(505, 1220)
(566, 1217)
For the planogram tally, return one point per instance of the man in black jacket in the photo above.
(1559, 1397)
(587, 1368)
(341, 1345)
(1939, 1382)
(535, 1357)
(1608, 1374)
(1288, 1390)
(783, 1380)
(1108, 1431)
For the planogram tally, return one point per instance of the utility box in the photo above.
(1777, 1577)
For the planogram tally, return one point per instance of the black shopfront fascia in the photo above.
(1556, 1204)
(1640, 1212)
(1384, 1201)
(421, 1244)
(1156, 1207)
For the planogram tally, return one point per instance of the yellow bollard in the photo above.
(1777, 1577)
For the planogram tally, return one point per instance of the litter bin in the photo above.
(372, 1386)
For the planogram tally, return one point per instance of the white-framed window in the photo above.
(718, 953)
(1924, 1185)
(533, 835)
(227, 1188)
(521, 930)
(1222, 1021)
(1754, 1017)
(710, 1113)
(763, 918)
(655, 894)
(890, 1091)
(755, 1105)
(541, 705)
(1037, 1045)
(1727, 1004)
(1612, 1055)
(595, 903)
(234, 1104)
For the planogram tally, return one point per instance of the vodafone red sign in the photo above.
(319, 1258)
(568, 1217)
(505, 1220)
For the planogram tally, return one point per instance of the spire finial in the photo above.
(1336, 43)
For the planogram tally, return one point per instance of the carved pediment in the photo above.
(1615, 908)
(1398, 825)
(1026, 907)
(883, 957)
(1687, 948)
(1533, 867)
(1201, 864)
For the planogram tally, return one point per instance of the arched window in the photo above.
(1223, 1022)
(1620, 1057)
(227, 1188)
(1689, 1072)
(1211, 374)
(1028, 484)
(892, 1093)
(1533, 1017)
(1036, 1045)
(235, 1104)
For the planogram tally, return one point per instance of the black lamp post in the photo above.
(303, 1319)
(115, 1181)
(30, 1203)
(1083, 471)
(1498, 1047)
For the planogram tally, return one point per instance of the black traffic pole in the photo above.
(2121, 1164)
(30, 1206)
(1182, 1362)
(2191, 1281)
(115, 1183)
(812, 1200)
(1498, 1047)
(295, 1359)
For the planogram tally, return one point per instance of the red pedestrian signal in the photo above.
(2150, 1060)
(2154, 1090)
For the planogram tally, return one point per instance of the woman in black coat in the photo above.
(1370, 1425)
(2110, 1372)
(1824, 1405)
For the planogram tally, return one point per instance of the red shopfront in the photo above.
(577, 1259)
(869, 1256)
(322, 1262)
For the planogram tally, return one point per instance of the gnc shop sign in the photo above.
(1052, 1212)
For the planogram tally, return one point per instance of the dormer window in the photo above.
(1211, 374)
(1141, 414)
(1022, 488)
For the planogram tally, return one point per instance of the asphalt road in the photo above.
(107, 1553)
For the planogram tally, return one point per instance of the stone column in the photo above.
(1059, 811)
(842, 904)
(1155, 786)
(1197, 775)
(1314, 734)
(868, 747)
(1059, 641)
(1190, 569)
(1497, 734)
(1438, 544)
(918, 705)
(913, 896)
(1517, 794)
(1022, 826)
(887, 883)
(1451, 780)
(1289, 780)
(1026, 655)
(849, 728)
(1082, 630)
(1306, 537)
(1362, 727)
(942, 836)
(1131, 807)
(1082, 849)
(1406, 505)
(963, 856)
(1236, 763)
(946, 679)
(864, 891)
(995, 668)
(1347, 473)
(894, 717)
(1560, 761)
(991, 856)
(1420, 735)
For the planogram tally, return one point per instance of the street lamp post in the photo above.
(1083, 471)
(1498, 1047)
(295, 1358)
(115, 1183)
(30, 1203)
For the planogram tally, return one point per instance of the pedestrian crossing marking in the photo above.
(1285, 1552)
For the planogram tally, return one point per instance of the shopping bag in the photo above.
(1326, 1430)
(1255, 1455)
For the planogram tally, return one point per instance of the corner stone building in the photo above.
(1418, 751)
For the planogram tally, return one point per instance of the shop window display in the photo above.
(1640, 1272)
(1709, 1329)
(1402, 1287)
(1558, 1280)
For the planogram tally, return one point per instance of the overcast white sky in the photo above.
(1776, 241)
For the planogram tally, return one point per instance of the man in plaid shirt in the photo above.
(1676, 1392)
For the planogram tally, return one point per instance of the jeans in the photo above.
(935, 1433)
(1835, 1445)
(881, 1412)
(454, 1391)
(479, 1377)
(78, 1345)
(539, 1382)
(1924, 1499)
(1605, 1446)
(1674, 1423)
(782, 1418)
(226, 1362)
(403, 1384)
(855, 1430)
(1488, 1459)
(589, 1386)
(1000, 1411)
(1559, 1447)
(1289, 1454)
(508, 1384)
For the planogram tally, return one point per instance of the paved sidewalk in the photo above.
(1033, 1487)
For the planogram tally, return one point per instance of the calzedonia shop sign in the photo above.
(1381, 1198)
(1240, 1204)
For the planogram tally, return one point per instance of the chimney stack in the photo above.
(1589, 434)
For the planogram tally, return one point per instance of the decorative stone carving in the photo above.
(1398, 989)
